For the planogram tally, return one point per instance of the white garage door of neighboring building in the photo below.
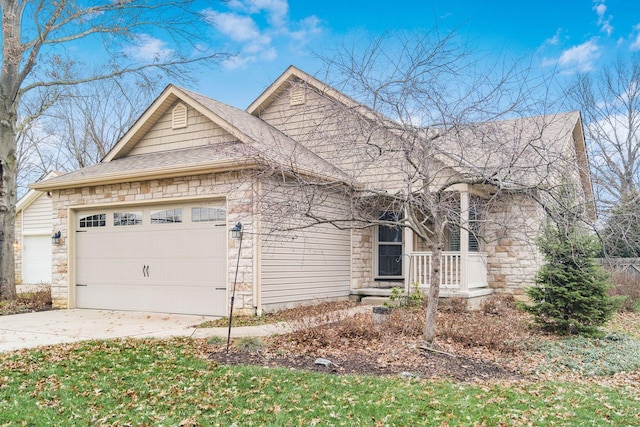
(36, 259)
(170, 258)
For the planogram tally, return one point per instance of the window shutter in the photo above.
(179, 116)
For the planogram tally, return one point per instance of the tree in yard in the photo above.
(571, 296)
(38, 41)
(620, 233)
(610, 103)
(433, 124)
(81, 127)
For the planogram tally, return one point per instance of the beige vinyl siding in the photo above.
(312, 266)
(339, 135)
(37, 216)
(163, 137)
(306, 264)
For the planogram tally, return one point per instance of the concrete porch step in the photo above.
(373, 300)
(372, 292)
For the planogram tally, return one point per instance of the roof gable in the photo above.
(254, 142)
(162, 107)
(293, 74)
(33, 195)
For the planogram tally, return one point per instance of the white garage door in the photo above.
(36, 259)
(163, 259)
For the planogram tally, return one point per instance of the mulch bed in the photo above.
(424, 365)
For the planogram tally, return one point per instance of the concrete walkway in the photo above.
(64, 326)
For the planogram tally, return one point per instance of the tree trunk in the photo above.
(9, 98)
(434, 294)
(8, 188)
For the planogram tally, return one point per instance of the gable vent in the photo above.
(297, 95)
(179, 116)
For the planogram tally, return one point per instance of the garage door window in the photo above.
(168, 216)
(127, 218)
(208, 214)
(98, 220)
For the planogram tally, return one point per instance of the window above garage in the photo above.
(205, 214)
(97, 220)
(169, 216)
(127, 218)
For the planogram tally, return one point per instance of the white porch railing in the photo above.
(452, 272)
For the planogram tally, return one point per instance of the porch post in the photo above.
(407, 249)
(464, 240)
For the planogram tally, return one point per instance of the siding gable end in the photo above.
(178, 128)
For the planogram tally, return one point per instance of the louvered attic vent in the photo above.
(179, 116)
(297, 95)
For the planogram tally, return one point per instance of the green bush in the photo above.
(571, 293)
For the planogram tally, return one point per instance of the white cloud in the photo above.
(308, 26)
(603, 21)
(580, 58)
(635, 44)
(149, 49)
(260, 42)
(553, 41)
(236, 27)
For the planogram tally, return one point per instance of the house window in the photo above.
(389, 247)
(98, 220)
(167, 216)
(208, 214)
(127, 218)
(179, 116)
(454, 234)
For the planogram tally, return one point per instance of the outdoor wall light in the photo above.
(55, 239)
(236, 231)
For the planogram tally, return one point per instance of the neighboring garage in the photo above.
(34, 217)
(159, 258)
(36, 259)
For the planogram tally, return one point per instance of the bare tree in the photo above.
(37, 38)
(81, 127)
(610, 102)
(434, 125)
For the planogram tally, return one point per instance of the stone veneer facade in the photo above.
(239, 196)
(512, 256)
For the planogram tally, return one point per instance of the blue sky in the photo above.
(268, 35)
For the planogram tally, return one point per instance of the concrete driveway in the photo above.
(64, 326)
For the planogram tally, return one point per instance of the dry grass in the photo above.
(498, 326)
(37, 300)
(287, 315)
(626, 286)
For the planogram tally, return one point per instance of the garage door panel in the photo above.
(170, 267)
(109, 271)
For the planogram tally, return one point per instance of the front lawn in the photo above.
(170, 382)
